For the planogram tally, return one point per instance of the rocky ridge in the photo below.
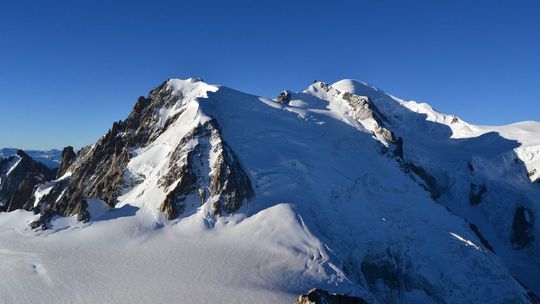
(19, 175)
(100, 170)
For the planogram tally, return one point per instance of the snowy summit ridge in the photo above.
(341, 187)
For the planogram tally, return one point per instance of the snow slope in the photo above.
(332, 209)
(459, 155)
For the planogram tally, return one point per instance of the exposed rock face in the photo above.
(398, 152)
(484, 242)
(522, 228)
(365, 109)
(284, 97)
(533, 297)
(201, 163)
(319, 296)
(390, 274)
(68, 156)
(19, 174)
(44, 205)
(476, 193)
(429, 183)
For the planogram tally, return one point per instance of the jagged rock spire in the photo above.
(68, 156)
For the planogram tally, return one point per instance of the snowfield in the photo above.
(115, 260)
(332, 209)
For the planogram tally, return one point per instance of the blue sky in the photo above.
(68, 69)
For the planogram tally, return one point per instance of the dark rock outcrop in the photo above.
(522, 228)
(319, 296)
(284, 97)
(19, 175)
(475, 194)
(68, 156)
(364, 108)
(481, 237)
(385, 269)
(194, 175)
(44, 205)
(390, 274)
(430, 183)
(398, 151)
(533, 297)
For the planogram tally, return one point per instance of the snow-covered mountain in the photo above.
(50, 158)
(19, 176)
(207, 194)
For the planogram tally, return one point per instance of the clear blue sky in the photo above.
(68, 69)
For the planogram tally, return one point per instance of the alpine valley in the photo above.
(205, 194)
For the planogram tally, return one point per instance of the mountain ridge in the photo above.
(50, 158)
(379, 194)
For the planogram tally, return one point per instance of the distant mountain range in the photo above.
(50, 158)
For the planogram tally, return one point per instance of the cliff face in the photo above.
(204, 165)
(68, 157)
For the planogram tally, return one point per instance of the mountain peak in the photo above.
(191, 87)
(22, 154)
(353, 86)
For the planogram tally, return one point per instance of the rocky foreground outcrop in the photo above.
(319, 296)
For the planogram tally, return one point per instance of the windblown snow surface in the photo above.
(328, 204)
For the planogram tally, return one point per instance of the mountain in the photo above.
(50, 158)
(207, 194)
(19, 176)
(24, 174)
